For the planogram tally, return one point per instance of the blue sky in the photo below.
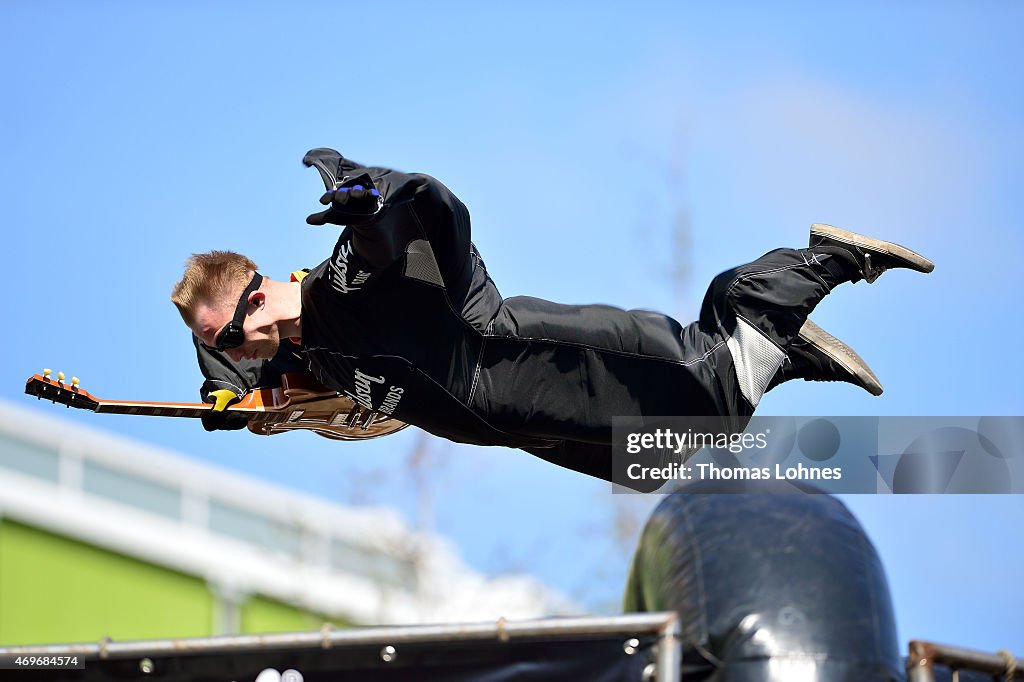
(608, 154)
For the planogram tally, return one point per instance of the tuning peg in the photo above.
(75, 382)
(47, 373)
(60, 376)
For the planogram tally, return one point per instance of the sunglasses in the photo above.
(232, 335)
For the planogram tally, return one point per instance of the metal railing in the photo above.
(924, 656)
(663, 628)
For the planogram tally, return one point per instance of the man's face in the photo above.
(262, 337)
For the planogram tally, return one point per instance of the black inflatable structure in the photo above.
(768, 587)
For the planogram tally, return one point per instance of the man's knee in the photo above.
(731, 291)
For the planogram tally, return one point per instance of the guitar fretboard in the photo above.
(164, 409)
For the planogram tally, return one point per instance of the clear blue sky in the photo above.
(581, 136)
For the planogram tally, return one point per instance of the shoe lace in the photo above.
(871, 271)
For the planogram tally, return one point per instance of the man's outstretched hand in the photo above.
(353, 200)
(351, 195)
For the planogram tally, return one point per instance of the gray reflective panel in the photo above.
(420, 263)
(756, 359)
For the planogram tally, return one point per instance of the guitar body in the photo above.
(300, 403)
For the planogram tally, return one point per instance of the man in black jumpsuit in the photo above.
(404, 318)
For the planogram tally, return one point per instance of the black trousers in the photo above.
(614, 362)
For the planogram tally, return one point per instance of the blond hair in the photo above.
(211, 278)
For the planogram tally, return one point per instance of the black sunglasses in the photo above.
(232, 335)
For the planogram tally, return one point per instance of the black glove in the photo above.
(217, 418)
(351, 195)
(352, 201)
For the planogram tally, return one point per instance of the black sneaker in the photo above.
(816, 355)
(874, 256)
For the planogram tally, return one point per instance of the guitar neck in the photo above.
(154, 409)
(45, 388)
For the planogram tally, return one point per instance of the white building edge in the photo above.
(243, 535)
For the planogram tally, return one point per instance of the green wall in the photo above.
(54, 589)
(260, 614)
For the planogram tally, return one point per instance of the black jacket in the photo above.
(404, 318)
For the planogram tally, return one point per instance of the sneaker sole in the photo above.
(907, 258)
(845, 356)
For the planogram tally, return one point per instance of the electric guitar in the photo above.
(299, 403)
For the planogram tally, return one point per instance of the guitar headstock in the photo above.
(43, 386)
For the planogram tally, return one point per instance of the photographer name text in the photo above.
(709, 471)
